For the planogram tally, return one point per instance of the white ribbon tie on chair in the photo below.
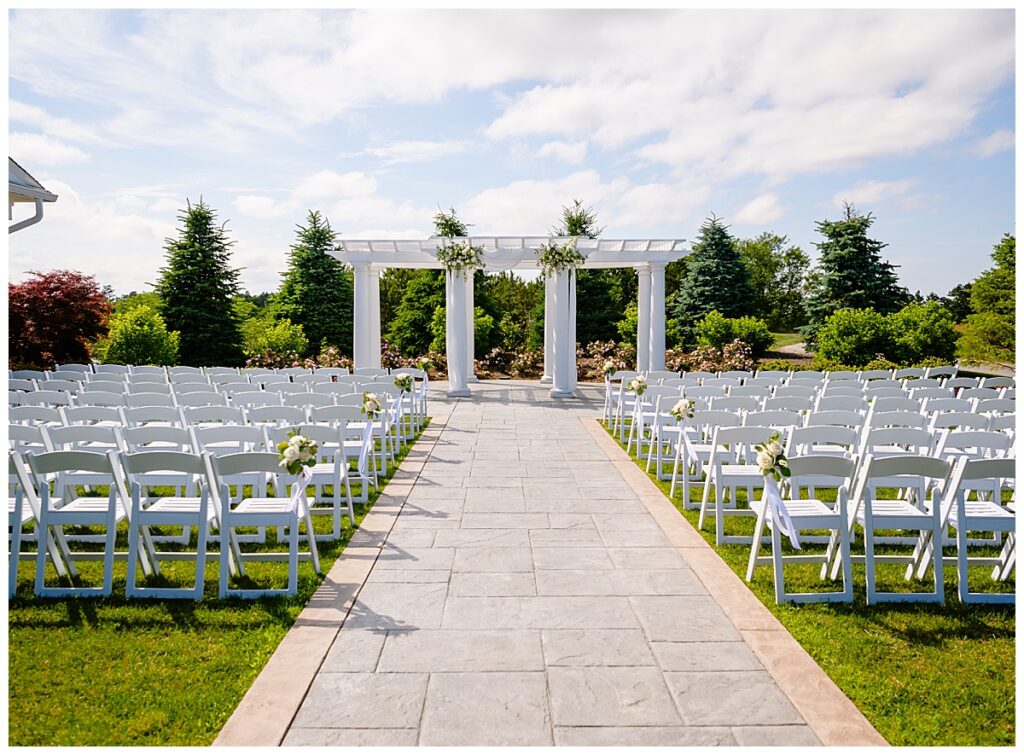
(780, 515)
(300, 502)
(688, 449)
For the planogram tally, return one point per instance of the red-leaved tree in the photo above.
(53, 318)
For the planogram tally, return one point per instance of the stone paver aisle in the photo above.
(526, 596)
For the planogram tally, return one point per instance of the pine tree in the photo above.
(990, 333)
(196, 289)
(716, 278)
(316, 292)
(851, 273)
(410, 331)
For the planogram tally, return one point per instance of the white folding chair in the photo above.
(357, 438)
(982, 515)
(823, 440)
(842, 404)
(65, 508)
(692, 457)
(149, 399)
(872, 375)
(331, 469)
(148, 511)
(284, 510)
(922, 480)
(789, 403)
(28, 439)
(73, 367)
(896, 405)
(733, 466)
(835, 417)
(779, 419)
(808, 514)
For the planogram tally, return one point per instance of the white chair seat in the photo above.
(176, 505)
(88, 505)
(26, 512)
(897, 514)
(978, 512)
(264, 506)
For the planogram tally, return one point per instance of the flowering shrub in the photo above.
(592, 358)
(733, 356)
(528, 364)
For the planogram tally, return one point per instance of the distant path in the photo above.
(796, 349)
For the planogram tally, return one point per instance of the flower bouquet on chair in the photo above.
(638, 385)
(403, 382)
(372, 406)
(609, 368)
(296, 453)
(773, 465)
(683, 409)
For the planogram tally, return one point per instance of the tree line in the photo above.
(850, 307)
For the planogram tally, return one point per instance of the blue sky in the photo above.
(656, 119)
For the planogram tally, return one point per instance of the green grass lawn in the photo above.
(922, 674)
(87, 671)
(786, 339)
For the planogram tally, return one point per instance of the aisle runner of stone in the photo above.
(526, 597)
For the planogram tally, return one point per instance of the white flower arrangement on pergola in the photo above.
(553, 257)
(460, 258)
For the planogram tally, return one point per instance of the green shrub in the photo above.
(716, 330)
(881, 364)
(782, 364)
(262, 335)
(920, 331)
(140, 336)
(854, 337)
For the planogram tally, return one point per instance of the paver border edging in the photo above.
(827, 710)
(265, 713)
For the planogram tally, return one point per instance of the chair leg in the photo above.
(756, 545)
(293, 556)
(133, 555)
(203, 532)
(962, 588)
(777, 570)
(869, 555)
(844, 554)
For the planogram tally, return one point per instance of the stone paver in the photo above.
(526, 594)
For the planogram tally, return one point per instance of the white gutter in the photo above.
(22, 224)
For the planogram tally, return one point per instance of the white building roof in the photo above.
(509, 252)
(23, 187)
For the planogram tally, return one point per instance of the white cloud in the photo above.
(725, 93)
(327, 184)
(868, 193)
(417, 151)
(534, 206)
(262, 207)
(760, 211)
(94, 234)
(994, 143)
(569, 152)
(38, 149)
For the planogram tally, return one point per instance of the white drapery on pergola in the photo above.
(500, 253)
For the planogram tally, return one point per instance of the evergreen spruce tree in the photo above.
(316, 292)
(716, 278)
(851, 273)
(196, 289)
(990, 332)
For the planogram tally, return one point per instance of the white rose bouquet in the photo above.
(608, 368)
(297, 452)
(372, 405)
(683, 409)
(638, 385)
(403, 382)
(770, 459)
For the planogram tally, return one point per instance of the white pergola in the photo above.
(648, 256)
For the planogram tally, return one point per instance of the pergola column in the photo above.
(563, 350)
(362, 325)
(549, 328)
(643, 320)
(470, 329)
(573, 372)
(656, 356)
(456, 291)
(374, 304)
